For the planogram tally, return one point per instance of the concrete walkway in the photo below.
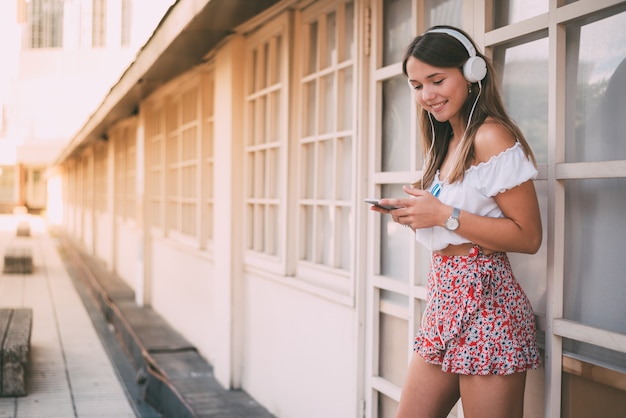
(71, 374)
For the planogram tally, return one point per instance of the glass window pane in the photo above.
(329, 102)
(348, 35)
(276, 75)
(307, 158)
(261, 118)
(393, 351)
(344, 159)
(394, 241)
(310, 100)
(273, 177)
(396, 125)
(308, 236)
(272, 225)
(274, 117)
(596, 93)
(345, 108)
(595, 238)
(259, 227)
(511, 11)
(443, 12)
(387, 407)
(345, 243)
(267, 67)
(397, 30)
(259, 179)
(324, 236)
(531, 270)
(313, 47)
(330, 50)
(525, 91)
(253, 81)
(326, 177)
(595, 355)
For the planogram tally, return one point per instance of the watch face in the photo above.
(452, 224)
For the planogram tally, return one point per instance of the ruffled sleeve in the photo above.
(504, 171)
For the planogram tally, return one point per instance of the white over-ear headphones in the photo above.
(475, 68)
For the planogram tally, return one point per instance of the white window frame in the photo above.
(155, 164)
(557, 172)
(266, 250)
(328, 280)
(124, 137)
(177, 125)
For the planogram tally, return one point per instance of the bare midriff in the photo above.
(461, 249)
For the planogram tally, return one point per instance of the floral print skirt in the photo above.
(478, 320)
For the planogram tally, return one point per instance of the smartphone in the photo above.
(377, 203)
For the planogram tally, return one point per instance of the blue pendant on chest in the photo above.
(436, 189)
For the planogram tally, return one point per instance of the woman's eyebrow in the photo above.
(427, 77)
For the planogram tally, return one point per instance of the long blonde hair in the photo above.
(441, 50)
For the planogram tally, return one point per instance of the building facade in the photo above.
(60, 58)
(223, 178)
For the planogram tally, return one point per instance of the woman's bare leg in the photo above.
(428, 392)
(493, 396)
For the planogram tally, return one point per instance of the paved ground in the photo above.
(94, 352)
(71, 373)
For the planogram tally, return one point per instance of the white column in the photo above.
(228, 211)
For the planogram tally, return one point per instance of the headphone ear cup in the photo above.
(474, 69)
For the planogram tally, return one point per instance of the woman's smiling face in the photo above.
(440, 91)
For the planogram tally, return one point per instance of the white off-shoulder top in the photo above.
(475, 193)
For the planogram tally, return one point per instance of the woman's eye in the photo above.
(418, 87)
(437, 82)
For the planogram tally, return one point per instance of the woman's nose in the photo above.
(427, 92)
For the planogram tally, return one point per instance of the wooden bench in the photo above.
(18, 260)
(15, 330)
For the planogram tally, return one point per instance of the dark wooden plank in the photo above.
(189, 376)
(16, 352)
(153, 332)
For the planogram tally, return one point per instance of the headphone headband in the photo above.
(475, 68)
(459, 37)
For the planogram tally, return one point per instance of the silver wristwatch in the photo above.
(452, 223)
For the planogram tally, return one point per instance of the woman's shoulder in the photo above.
(491, 140)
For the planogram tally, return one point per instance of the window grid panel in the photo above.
(324, 165)
(101, 176)
(208, 176)
(120, 176)
(155, 139)
(88, 195)
(394, 127)
(262, 150)
(99, 23)
(46, 23)
(131, 164)
(183, 160)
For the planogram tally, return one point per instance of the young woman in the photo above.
(474, 203)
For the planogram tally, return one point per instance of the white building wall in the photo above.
(183, 293)
(103, 224)
(299, 351)
(126, 252)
